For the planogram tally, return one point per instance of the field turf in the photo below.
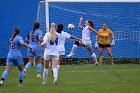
(120, 78)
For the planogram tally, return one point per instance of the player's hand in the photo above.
(96, 45)
(31, 48)
(112, 43)
(81, 18)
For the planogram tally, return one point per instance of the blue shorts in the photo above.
(14, 60)
(37, 51)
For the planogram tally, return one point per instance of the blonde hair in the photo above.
(53, 32)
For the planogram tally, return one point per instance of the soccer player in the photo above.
(51, 52)
(34, 38)
(14, 56)
(63, 36)
(104, 42)
(86, 42)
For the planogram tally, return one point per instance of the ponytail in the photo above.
(91, 23)
(36, 26)
(53, 32)
(15, 32)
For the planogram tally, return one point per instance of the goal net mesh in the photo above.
(122, 18)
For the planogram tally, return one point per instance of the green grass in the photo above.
(79, 79)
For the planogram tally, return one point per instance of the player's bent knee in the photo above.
(76, 42)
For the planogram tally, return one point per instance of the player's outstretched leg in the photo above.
(72, 50)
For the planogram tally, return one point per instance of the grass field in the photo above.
(123, 78)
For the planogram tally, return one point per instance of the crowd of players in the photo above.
(53, 44)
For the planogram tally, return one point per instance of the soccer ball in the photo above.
(71, 26)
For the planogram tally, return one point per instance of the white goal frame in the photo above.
(100, 1)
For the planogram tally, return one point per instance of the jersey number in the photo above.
(54, 43)
(12, 45)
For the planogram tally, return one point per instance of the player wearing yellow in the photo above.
(104, 42)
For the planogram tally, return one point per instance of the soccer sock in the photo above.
(55, 74)
(20, 81)
(5, 74)
(28, 65)
(94, 57)
(100, 59)
(45, 74)
(21, 75)
(58, 67)
(111, 59)
(39, 66)
(73, 48)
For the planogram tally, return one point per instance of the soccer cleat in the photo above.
(55, 82)
(112, 63)
(1, 82)
(38, 76)
(44, 82)
(20, 84)
(70, 55)
(96, 63)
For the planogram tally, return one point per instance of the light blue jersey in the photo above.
(34, 43)
(14, 56)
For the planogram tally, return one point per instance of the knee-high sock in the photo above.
(58, 67)
(94, 57)
(28, 65)
(39, 67)
(45, 74)
(21, 75)
(55, 74)
(5, 74)
(100, 59)
(73, 48)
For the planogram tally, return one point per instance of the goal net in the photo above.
(123, 18)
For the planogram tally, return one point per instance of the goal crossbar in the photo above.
(92, 0)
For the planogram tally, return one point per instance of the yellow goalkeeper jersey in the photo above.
(104, 36)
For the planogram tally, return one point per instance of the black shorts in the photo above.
(104, 46)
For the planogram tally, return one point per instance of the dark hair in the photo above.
(105, 23)
(15, 32)
(59, 28)
(36, 26)
(91, 23)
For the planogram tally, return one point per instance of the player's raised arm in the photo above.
(80, 23)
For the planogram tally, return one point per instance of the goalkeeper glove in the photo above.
(112, 43)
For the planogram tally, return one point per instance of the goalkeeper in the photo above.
(104, 42)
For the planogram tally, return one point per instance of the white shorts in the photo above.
(62, 53)
(51, 57)
(87, 43)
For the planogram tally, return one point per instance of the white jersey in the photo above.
(63, 36)
(52, 48)
(86, 34)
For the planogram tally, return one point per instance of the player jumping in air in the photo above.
(86, 42)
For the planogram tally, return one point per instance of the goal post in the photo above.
(122, 17)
